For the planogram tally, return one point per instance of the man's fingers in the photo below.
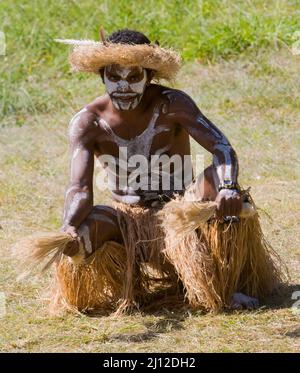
(233, 206)
(72, 232)
(229, 204)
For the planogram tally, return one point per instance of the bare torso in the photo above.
(160, 125)
(154, 132)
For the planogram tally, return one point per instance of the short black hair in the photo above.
(126, 36)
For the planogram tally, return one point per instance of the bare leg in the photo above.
(205, 188)
(100, 226)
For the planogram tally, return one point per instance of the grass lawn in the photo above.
(255, 101)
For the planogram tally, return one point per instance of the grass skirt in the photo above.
(156, 266)
(121, 278)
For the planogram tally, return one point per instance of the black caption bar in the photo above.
(149, 362)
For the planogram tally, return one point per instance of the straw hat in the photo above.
(90, 56)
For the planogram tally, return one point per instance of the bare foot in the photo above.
(240, 301)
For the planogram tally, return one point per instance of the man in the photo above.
(144, 119)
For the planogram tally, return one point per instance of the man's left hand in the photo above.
(229, 203)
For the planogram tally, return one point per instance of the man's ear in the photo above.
(150, 75)
(101, 72)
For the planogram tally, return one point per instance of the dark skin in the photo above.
(126, 112)
(182, 118)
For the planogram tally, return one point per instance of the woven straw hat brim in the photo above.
(90, 56)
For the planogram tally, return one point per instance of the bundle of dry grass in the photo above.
(243, 259)
(79, 284)
(90, 56)
(93, 285)
(215, 259)
(36, 249)
(186, 216)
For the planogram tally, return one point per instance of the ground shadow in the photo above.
(169, 321)
(171, 318)
(283, 298)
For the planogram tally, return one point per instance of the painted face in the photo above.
(125, 85)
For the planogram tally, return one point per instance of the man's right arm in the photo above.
(79, 195)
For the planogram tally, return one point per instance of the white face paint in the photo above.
(125, 85)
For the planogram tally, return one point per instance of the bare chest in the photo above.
(150, 136)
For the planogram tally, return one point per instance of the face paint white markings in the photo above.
(125, 95)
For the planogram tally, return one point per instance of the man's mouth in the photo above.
(124, 96)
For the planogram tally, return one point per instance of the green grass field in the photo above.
(240, 71)
(35, 77)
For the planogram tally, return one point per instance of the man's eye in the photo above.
(114, 78)
(133, 78)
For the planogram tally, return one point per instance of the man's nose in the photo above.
(124, 86)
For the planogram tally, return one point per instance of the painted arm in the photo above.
(206, 134)
(213, 140)
(79, 195)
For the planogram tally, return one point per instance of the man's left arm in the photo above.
(224, 157)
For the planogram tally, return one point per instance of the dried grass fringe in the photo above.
(148, 271)
(159, 263)
(35, 250)
(120, 278)
(93, 285)
(219, 259)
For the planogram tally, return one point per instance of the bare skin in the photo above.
(149, 119)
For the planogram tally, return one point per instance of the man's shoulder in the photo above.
(81, 122)
(86, 119)
(176, 99)
(98, 105)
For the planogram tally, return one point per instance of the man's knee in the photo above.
(100, 225)
(103, 213)
(205, 186)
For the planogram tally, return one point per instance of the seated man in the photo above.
(141, 118)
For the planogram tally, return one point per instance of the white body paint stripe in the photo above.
(84, 233)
